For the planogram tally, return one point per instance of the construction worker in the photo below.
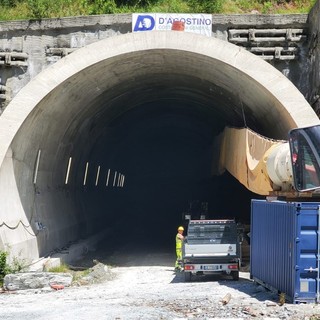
(179, 240)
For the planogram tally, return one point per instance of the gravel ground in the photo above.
(147, 290)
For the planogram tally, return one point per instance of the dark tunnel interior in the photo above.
(165, 151)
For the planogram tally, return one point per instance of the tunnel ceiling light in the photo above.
(97, 176)
(119, 179)
(68, 171)
(122, 181)
(85, 174)
(36, 167)
(108, 176)
(114, 178)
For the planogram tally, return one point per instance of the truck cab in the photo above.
(211, 246)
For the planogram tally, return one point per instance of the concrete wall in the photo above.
(28, 47)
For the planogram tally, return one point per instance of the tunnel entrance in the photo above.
(118, 137)
(165, 151)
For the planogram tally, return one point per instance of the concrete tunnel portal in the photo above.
(118, 137)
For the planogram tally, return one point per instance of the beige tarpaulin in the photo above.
(244, 154)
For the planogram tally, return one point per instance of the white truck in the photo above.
(211, 246)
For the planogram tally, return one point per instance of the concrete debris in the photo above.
(250, 311)
(43, 264)
(98, 273)
(270, 303)
(226, 299)
(35, 280)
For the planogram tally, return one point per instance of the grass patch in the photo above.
(76, 275)
(63, 268)
(39, 9)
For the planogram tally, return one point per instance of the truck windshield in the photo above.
(212, 233)
(305, 157)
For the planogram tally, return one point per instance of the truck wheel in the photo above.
(187, 276)
(235, 275)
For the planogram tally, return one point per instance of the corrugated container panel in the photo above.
(285, 247)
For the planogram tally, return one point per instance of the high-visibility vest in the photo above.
(178, 242)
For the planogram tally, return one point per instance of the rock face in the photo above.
(35, 280)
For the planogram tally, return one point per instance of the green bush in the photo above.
(267, 7)
(3, 265)
(9, 3)
(40, 8)
(214, 6)
(15, 266)
(135, 3)
(206, 6)
(100, 6)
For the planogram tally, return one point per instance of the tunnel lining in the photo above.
(228, 54)
(46, 92)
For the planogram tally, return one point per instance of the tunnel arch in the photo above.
(171, 90)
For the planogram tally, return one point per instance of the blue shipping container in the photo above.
(285, 248)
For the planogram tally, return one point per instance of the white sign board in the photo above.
(196, 23)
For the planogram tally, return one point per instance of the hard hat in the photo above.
(180, 229)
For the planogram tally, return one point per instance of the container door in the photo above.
(307, 253)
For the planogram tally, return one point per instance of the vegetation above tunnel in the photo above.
(38, 9)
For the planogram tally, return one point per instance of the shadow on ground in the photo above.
(244, 284)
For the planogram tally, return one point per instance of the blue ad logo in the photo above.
(144, 23)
